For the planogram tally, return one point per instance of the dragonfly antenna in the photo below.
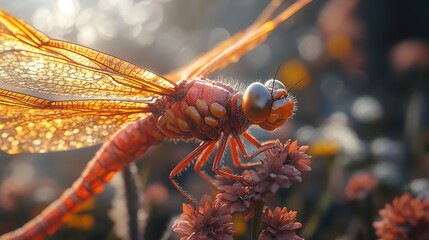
(275, 77)
(300, 80)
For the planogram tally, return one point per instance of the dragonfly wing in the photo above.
(28, 52)
(57, 96)
(31, 124)
(233, 48)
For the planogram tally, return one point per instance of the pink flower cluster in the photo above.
(281, 167)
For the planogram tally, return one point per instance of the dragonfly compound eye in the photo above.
(257, 102)
(273, 85)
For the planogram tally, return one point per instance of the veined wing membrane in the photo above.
(35, 51)
(231, 49)
(37, 72)
(31, 124)
(59, 96)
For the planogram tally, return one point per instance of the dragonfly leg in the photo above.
(236, 142)
(218, 158)
(255, 142)
(236, 159)
(183, 164)
(202, 159)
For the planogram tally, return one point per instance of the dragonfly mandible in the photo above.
(57, 96)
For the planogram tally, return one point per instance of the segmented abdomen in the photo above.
(128, 144)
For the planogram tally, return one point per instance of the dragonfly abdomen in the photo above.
(126, 145)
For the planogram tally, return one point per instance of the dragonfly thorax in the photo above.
(207, 110)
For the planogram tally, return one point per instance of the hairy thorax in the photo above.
(206, 110)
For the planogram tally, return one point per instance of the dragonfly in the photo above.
(56, 96)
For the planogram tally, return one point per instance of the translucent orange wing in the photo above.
(31, 124)
(233, 48)
(56, 95)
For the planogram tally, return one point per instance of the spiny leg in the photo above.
(218, 158)
(237, 142)
(182, 165)
(236, 159)
(252, 140)
(260, 150)
(202, 159)
(255, 142)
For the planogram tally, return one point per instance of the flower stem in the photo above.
(259, 206)
(369, 215)
(132, 201)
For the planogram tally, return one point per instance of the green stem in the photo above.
(259, 207)
(132, 200)
(370, 211)
(313, 223)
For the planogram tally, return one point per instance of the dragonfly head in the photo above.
(268, 105)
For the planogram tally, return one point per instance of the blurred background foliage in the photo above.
(361, 71)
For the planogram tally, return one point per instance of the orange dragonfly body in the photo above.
(58, 96)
